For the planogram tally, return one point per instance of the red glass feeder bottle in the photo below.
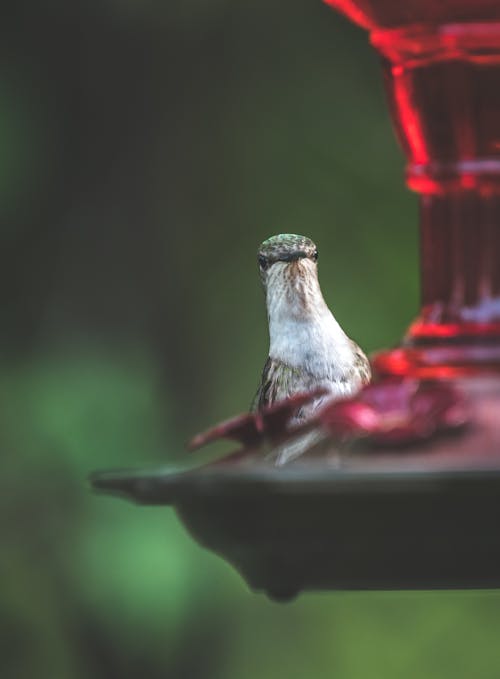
(441, 62)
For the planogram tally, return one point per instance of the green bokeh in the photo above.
(147, 149)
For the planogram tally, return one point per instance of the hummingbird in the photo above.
(307, 349)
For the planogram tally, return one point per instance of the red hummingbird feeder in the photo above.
(420, 506)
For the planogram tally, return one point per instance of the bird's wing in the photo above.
(361, 364)
(266, 392)
(279, 381)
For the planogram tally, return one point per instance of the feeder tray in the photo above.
(415, 518)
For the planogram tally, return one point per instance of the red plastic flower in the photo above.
(251, 429)
(396, 412)
(391, 412)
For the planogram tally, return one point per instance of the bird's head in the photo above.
(287, 255)
(288, 270)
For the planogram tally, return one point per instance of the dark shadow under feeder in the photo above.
(427, 515)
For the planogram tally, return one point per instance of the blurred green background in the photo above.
(147, 148)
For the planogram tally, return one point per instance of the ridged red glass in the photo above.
(441, 62)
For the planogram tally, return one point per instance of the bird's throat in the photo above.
(312, 341)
